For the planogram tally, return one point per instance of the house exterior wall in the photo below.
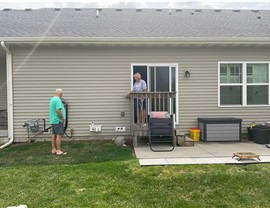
(3, 84)
(95, 80)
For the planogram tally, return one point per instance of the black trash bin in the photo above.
(261, 134)
(250, 136)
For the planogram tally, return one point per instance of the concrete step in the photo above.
(184, 140)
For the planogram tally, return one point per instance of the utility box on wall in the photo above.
(220, 129)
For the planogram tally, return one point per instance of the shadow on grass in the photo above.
(78, 152)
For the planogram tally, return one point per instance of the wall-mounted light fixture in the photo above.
(187, 74)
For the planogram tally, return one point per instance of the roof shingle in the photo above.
(148, 23)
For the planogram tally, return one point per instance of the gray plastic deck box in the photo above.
(220, 129)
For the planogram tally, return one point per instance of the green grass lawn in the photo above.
(101, 174)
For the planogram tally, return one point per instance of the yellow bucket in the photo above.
(195, 134)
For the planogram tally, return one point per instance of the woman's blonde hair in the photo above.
(137, 75)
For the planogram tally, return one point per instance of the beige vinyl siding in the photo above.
(94, 84)
(3, 84)
(96, 79)
(199, 93)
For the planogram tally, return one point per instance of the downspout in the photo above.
(9, 95)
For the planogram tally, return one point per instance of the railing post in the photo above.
(146, 107)
(168, 103)
(130, 112)
(159, 102)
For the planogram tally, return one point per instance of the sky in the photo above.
(184, 4)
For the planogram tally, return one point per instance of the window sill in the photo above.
(242, 106)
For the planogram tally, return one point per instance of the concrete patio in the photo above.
(201, 153)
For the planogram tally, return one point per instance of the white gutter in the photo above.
(9, 95)
(143, 40)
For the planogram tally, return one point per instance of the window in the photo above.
(243, 84)
(231, 84)
(257, 84)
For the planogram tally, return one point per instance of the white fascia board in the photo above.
(148, 40)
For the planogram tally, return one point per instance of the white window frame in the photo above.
(155, 65)
(244, 83)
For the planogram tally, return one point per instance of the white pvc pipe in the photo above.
(9, 95)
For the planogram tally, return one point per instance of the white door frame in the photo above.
(176, 80)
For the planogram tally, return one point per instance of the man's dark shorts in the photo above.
(57, 129)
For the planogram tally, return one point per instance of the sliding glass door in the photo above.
(162, 79)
